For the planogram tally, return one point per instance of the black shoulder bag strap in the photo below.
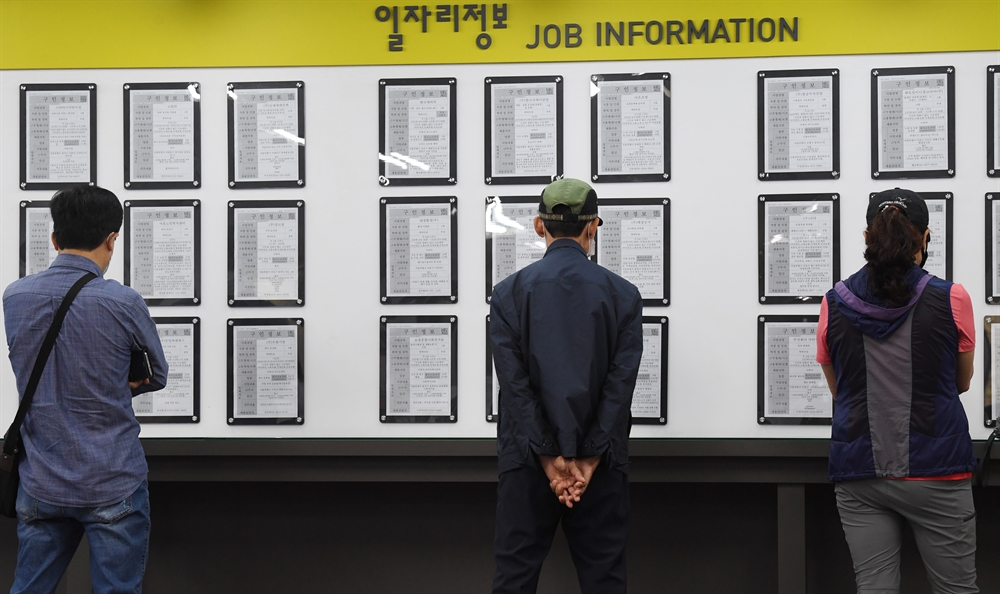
(12, 439)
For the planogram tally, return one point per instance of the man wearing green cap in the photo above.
(567, 340)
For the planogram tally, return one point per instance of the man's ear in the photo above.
(540, 227)
(55, 244)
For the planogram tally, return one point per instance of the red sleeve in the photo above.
(822, 348)
(961, 309)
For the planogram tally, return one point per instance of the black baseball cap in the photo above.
(907, 201)
(569, 200)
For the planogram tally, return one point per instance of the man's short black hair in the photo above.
(84, 216)
(559, 229)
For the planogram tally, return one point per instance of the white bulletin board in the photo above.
(713, 192)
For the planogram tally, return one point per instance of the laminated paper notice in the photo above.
(59, 132)
(267, 253)
(913, 122)
(266, 371)
(419, 374)
(630, 243)
(524, 126)
(793, 381)
(162, 255)
(39, 252)
(418, 250)
(798, 256)
(647, 396)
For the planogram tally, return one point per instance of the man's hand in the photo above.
(565, 479)
(135, 385)
(584, 468)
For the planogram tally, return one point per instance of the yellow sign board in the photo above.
(37, 34)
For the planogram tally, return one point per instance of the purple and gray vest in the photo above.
(897, 412)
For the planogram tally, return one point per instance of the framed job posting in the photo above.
(267, 134)
(180, 400)
(630, 127)
(649, 400)
(798, 124)
(418, 369)
(162, 135)
(992, 248)
(798, 247)
(418, 137)
(791, 388)
(524, 129)
(267, 253)
(993, 121)
(36, 250)
(634, 243)
(913, 122)
(511, 241)
(265, 376)
(419, 250)
(991, 363)
(163, 250)
(58, 143)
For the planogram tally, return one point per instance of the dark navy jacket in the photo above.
(897, 412)
(567, 340)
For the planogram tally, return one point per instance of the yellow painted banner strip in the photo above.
(38, 34)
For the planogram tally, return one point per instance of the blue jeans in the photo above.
(48, 535)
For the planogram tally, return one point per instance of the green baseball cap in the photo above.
(569, 200)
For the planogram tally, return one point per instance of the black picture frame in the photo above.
(449, 179)
(386, 322)
(992, 246)
(664, 324)
(384, 203)
(946, 198)
(992, 121)
(193, 88)
(762, 417)
(763, 76)
(490, 177)
(234, 88)
(300, 206)
(518, 201)
(763, 242)
(233, 324)
(195, 323)
(664, 202)
(25, 206)
(876, 136)
(990, 414)
(596, 125)
(25, 88)
(195, 205)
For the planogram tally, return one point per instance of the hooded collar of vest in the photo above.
(857, 302)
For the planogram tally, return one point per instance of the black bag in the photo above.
(10, 456)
